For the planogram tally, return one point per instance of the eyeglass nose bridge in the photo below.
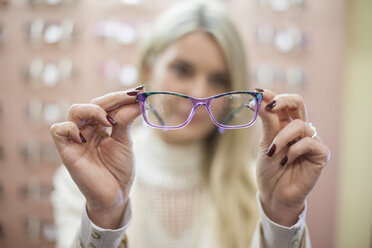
(201, 101)
(196, 102)
(206, 102)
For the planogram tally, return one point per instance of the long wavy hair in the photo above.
(228, 173)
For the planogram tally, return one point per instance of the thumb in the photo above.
(270, 121)
(124, 116)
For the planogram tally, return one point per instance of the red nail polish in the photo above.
(271, 150)
(271, 105)
(140, 87)
(132, 93)
(259, 90)
(82, 138)
(112, 121)
(284, 161)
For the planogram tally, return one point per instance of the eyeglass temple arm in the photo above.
(157, 115)
(236, 110)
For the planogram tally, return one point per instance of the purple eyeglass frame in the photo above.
(141, 98)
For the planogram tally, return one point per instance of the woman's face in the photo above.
(193, 65)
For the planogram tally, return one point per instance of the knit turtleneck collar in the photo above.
(164, 165)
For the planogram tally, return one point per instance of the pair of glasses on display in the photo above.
(230, 110)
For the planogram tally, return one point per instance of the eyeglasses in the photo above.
(230, 110)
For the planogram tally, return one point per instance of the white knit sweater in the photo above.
(167, 204)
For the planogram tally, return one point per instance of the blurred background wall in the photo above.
(354, 225)
(57, 52)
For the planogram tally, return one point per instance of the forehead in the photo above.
(200, 49)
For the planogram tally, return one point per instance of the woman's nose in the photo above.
(200, 88)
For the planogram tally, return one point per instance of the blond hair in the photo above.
(227, 169)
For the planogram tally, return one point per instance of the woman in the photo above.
(191, 187)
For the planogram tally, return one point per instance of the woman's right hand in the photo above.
(100, 162)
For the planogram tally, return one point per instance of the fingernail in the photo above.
(82, 138)
(284, 161)
(133, 93)
(271, 150)
(259, 89)
(271, 105)
(112, 121)
(140, 87)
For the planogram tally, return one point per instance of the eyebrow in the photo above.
(219, 73)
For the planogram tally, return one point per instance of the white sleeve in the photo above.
(68, 205)
(92, 235)
(275, 235)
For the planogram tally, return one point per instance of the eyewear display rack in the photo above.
(57, 52)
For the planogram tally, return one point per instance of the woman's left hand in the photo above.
(290, 161)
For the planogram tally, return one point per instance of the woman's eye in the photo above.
(220, 81)
(181, 70)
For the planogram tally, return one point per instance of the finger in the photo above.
(311, 149)
(270, 102)
(293, 103)
(271, 122)
(64, 132)
(140, 89)
(89, 114)
(124, 116)
(290, 134)
(117, 99)
(267, 96)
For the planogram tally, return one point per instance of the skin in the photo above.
(195, 70)
(103, 167)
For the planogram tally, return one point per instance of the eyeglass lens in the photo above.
(168, 110)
